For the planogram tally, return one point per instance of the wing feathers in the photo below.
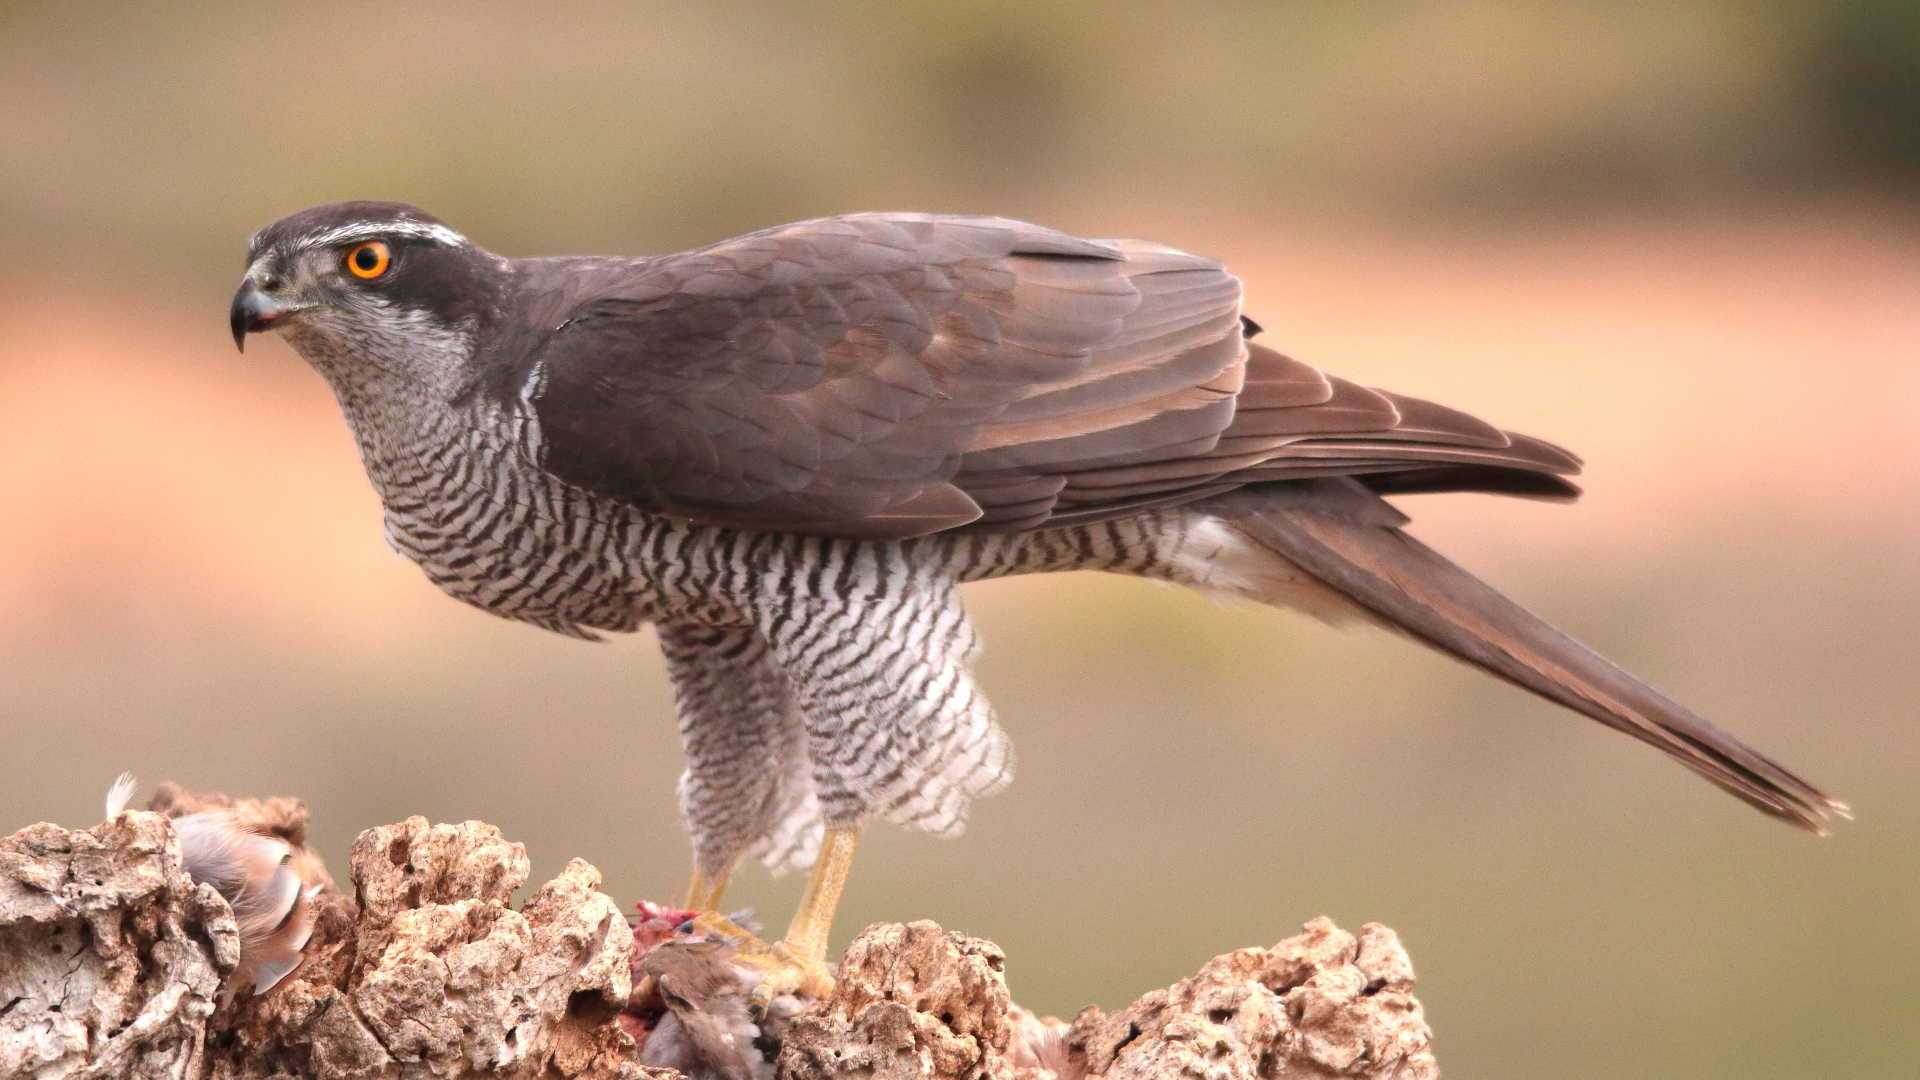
(896, 374)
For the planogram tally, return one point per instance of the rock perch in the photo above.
(112, 963)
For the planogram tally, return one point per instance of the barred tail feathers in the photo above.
(1394, 579)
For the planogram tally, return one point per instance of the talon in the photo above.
(784, 972)
(783, 967)
(802, 976)
(795, 966)
(646, 993)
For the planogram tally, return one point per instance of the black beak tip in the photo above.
(252, 311)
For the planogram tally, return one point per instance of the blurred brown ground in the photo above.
(1684, 245)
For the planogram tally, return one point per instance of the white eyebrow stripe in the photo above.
(370, 230)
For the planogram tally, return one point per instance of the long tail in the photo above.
(1407, 585)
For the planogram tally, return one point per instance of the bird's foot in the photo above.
(784, 971)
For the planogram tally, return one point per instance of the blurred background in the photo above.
(1683, 241)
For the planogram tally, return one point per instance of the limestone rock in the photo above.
(112, 962)
(1320, 1004)
(911, 1001)
(111, 958)
(438, 975)
(915, 1001)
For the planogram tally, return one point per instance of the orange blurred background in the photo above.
(1683, 243)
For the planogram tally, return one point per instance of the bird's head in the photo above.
(377, 283)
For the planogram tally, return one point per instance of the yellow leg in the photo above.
(813, 922)
(704, 893)
(797, 964)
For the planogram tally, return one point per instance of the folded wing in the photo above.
(893, 375)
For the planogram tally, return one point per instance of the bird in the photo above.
(694, 1006)
(786, 451)
(260, 877)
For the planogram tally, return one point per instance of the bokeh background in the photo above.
(1681, 240)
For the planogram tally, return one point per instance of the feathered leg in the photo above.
(748, 785)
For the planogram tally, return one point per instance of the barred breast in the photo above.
(461, 502)
(487, 526)
(464, 500)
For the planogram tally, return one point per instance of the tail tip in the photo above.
(1818, 814)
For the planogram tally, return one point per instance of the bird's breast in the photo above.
(492, 529)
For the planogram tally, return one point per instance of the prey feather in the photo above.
(253, 871)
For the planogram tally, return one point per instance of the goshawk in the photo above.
(786, 451)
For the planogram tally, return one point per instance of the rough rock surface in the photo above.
(112, 962)
(1323, 1003)
(111, 958)
(911, 1001)
(916, 1001)
(437, 974)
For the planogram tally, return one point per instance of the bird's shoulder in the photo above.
(751, 274)
(755, 297)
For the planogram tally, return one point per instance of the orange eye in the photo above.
(369, 260)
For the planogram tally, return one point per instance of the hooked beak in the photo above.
(254, 310)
